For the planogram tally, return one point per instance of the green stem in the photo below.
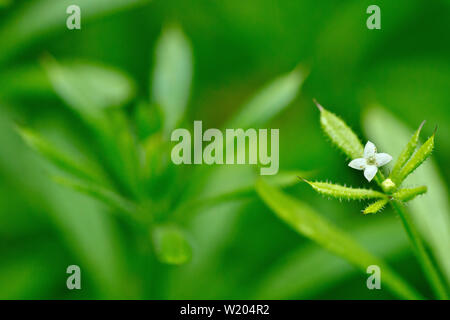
(421, 253)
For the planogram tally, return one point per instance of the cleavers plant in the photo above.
(391, 190)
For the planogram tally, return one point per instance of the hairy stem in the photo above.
(421, 253)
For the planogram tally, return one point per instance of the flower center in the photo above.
(371, 161)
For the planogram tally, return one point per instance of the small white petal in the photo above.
(369, 150)
(382, 158)
(358, 164)
(370, 172)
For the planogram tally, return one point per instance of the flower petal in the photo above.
(369, 150)
(358, 164)
(382, 158)
(370, 172)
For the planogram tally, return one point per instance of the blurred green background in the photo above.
(382, 82)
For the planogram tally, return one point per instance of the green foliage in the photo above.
(115, 163)
(270, 100)
(308, 223)
(376, 206)
(56, 156)
(172, 76)
(101, 193)
(88, 88)
(405, 155)
(171, 245)
(341, 192)
(39, 18)
(430, 212)
(417, 159)
(340, 133)
(409, 194)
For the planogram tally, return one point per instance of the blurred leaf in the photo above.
(172, 75)
(36, 18)
(238, 190)
(89, 88)
(57, 157)
(24, 81)
(79, 221)
(324, 270)
(108, 197)
(171, 246)
(270, 100)
(429, 212)
(147, 119)
(308, 223)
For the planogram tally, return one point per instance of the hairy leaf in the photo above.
(406, 154)
(417, 159)
(382, 125)
(340, 133)
(375, 207)
(409, 194)
(341, 192)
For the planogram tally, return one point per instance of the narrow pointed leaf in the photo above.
(340, 134)
(417, 159)
(89, 88)
(409, 194)
(105, 195)
(171, 245)
(172, 76)
(406, 154)
(375, 207)
(310, 224)
(57, 157)
(341, 192)
(270, 100)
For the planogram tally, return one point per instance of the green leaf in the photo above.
(38, 18)
(57, 157)
(171, 245)
(341, 192)
(417, 159)
(340, 133)
(308, 223)
(270, 100)
(88, 88)
(172, 76)
(405, 155)
(105, 195)
(375, 207)
(237, 191)
(382, 126)
(326, 271)
(409, 194)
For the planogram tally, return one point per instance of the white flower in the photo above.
(370, 161)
